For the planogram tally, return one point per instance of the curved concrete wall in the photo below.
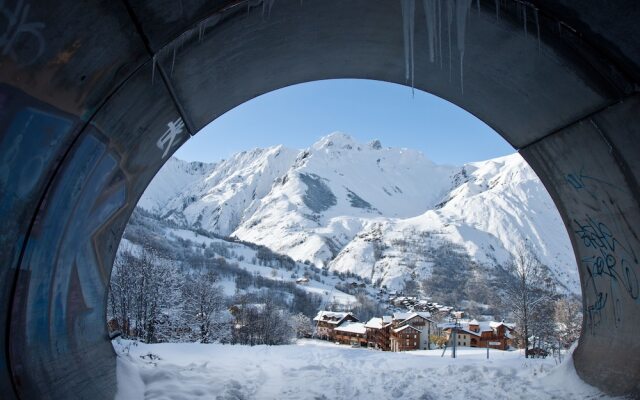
(95, 97)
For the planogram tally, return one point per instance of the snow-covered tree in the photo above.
(302, 325)
(527, 293)
(142, 292)
(568, 317)
(202, 300)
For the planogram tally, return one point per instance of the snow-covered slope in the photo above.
(173, 179)
(494, 208)
(372, 210)
(228, 194)
(336, 188)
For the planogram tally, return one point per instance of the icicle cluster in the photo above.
(456, 13)
(408, 24)
(172, 49)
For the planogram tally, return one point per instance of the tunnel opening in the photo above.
(198, 229)
(78, 153)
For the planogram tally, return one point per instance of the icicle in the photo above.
(200, 29)
(430, 16)
(449, 21)
(266, 7)
(478, 4)
(408, 25)
(173, 60)
(153, 69)
(439, 11)
(524, 14)
(462, 8)
(497, 10)
(535, 14)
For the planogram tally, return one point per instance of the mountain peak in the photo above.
(336, 140)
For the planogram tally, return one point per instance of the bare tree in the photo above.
(141, 289)
(302, 325)
(527, 291)
(203, 299)
(568, 317)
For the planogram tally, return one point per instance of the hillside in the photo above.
(386, 214)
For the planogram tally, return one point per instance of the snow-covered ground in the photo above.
(321, 370)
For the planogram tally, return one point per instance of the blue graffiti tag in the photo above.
(612, 267)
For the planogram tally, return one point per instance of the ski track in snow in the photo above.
(321, 370)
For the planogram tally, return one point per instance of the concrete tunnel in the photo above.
(95, 96)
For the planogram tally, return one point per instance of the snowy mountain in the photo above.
(363, 208)
(175, 177)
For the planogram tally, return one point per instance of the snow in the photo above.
(326, 290)
(402, 328)
(377, 323)
(332, 202)
(352, 327)
(313, 369)
(331, 317)
(174, 178)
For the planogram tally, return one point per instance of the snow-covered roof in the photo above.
(401, 316)
(470, 332)
(402, 328)
(374, 323)
(331, 317)
(408, 315)
(378, 323)
(483, 326)
(353, 327)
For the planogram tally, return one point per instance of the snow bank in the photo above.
(321, 370)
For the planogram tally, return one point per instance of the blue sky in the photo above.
(299, 115)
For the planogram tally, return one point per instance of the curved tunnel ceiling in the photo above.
(95, 97)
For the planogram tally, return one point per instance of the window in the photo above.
(414, 336)
(415, 344)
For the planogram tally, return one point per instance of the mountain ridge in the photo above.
(329, 202)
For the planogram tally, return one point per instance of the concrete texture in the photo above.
(95, 97)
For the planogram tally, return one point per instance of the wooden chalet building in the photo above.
(481, 334)
(418, 320)
(379, 333)
(353, 333)
(405, 338)
(327, 321)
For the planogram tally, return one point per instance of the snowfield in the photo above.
(313, 369)
(346, 206)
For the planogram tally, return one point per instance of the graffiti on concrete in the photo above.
(611, 270)
(166, 141)
(579, 180)
(20, 31)
(609, 260)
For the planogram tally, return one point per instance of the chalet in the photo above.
(353, 333)
(379, 332)
(418, 320)
(327, 321)
(496, 335)
(405, 338)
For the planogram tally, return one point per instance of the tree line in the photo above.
(154, 299)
